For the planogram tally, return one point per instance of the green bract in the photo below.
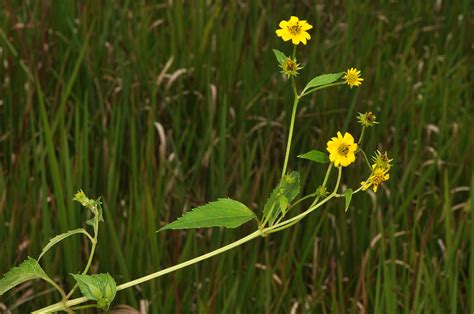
(282, 195)
(97, 287)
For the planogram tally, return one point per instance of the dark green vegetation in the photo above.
(160, 108)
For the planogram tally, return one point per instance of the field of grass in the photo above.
(158, 108)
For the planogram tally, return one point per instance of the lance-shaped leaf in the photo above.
(28, 270)
(316, 156)
(348, 197)
(321, 80)
(281, 196)
(280, 56)
(97, 287)
(224, 212)
(59, 238)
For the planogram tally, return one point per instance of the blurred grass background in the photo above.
(160, 107)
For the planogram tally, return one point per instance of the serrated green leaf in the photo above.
(98, 287)
(224, 212)
(289, 188)
(280, 56)
(348, 197)
(316, 156)
(321, 80)
(28, 270)
(283, 203)
(59, 238)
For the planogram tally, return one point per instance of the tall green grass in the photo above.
(161, 107)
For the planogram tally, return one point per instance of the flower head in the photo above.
(294, 29)
(381, 160)
(321, 191)
(352, 77)
(378, 176)
(367, 119)
(342, 149)
(290, 67)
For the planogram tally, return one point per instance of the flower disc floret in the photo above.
(342, 149)
(367, 119)
(352, 77)
(294, 29)
(290, 67)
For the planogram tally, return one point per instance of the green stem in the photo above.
(285, 224)
(356, 191)
(361, 136)
(91, 255)
(288, 223)
(307, 92)
(61, 306)
(326, 177)
(82, 307)
(310, 195)
(55, 285)
(302, 199)
(366, 159)
(290, 137)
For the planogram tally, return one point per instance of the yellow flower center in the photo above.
(294, 29)
(352, 78)
(378, 178)
(290, 65)
(343, 149)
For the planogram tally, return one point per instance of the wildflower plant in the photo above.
(281, 210)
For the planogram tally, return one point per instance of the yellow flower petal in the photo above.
(295, 30)
(280, 32)
(293, 20)
(306, 27)
(342, 149)
(286, 36)
(348, 137)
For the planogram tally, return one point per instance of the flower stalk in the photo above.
(342, 151)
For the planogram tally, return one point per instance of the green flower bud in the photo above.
(290, 67)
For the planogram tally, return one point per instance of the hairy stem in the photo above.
(289, 222)
(283, 225)
(61, 306)
(325, 181)
(91, 255)
(307, 92)
(361, 136)
(290, 136)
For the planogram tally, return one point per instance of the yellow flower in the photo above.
(352, 77)
(378, 176)
(295, 30)
(342, 149)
